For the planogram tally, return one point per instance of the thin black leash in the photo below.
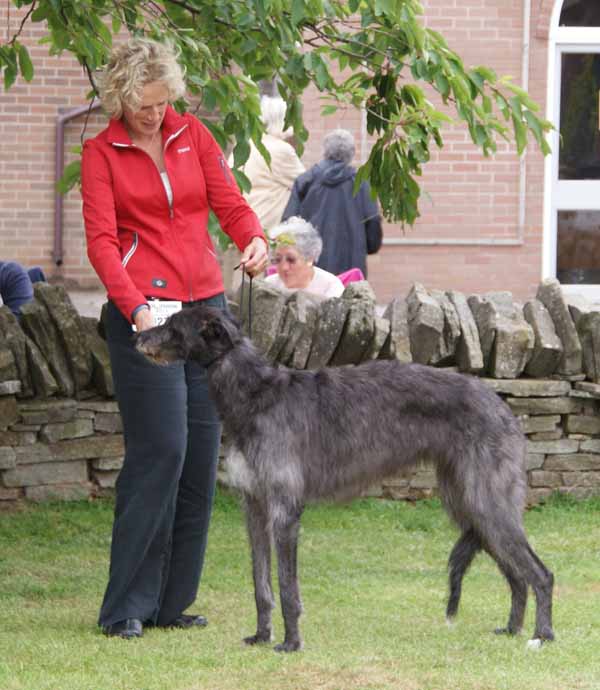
(249, 299)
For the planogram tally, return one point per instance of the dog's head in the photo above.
(200, 333)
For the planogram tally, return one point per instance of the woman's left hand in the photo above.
(255, 257)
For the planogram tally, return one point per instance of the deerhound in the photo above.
(300, 436)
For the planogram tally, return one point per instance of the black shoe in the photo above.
(128, 628)
(186, 621)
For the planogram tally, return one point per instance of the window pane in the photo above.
(580, 13)
(578, 247)
(579, 157)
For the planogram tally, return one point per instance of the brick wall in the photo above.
(465, 196)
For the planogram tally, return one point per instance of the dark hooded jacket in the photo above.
(15, 286)
(349, 225)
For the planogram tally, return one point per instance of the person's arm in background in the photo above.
(299, 191)
(372, 220)
(15, 286)
(285, 165)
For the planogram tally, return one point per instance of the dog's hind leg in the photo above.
(461, 557)
(286, 527)
(518, 591)
(517, 559)
(259, 534)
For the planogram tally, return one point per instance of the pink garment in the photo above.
(349, 276)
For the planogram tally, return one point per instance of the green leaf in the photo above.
(25, 63)
(70, 177)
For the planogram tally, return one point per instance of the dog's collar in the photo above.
(216, 358)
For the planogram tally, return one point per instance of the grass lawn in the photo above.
(373, 577)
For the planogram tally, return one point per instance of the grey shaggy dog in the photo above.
(301, 436)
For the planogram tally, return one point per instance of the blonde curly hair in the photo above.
(131, 66)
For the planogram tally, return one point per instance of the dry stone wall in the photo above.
(60, 429)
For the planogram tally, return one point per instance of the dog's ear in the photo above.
(222, 328)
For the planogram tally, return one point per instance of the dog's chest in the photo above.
(241, 475)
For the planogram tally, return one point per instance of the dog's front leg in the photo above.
(259, 534)
(285, 528)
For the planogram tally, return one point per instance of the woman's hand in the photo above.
(255, 257)
(143, 320)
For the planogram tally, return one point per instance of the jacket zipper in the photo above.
(171, 213)
(172, 216)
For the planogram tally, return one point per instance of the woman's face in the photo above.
(293, 269)
(146, 121)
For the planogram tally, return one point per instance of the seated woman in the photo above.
(297, 247)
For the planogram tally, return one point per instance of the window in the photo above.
(580, 13)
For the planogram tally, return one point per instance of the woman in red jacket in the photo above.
(148, 182)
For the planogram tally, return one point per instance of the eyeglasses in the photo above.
(291, 260)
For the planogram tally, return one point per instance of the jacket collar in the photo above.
(172, 124)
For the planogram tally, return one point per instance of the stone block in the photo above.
(10, 494)
(541, 478)
(39, 326)
(48, 411)
(106, 464)
(106, 480)
(8, 458)
(12, 337)
(550, 294)
(445, 353)
(268, 307)
(70, 329)
(575, 462)
(543, 406)
(101, 370)
(534, 461)
(397, 344)
(381, 333)
(333, 313)
(529, 388)
(76, 428)
(547, 347)
(506, 338)
(10, 388)
(591, 479)
(560, 447)
(47, 473)
(582, 424)
(58, 492)
(534, 425)
(9, 411)
(591, 446)
(425, 324)
(358, 329)
(108, 423)
(106, 406)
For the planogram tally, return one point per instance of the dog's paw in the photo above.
(450, 622)
(285, 646)
(534, 644)
(259, 638)
(505, 631)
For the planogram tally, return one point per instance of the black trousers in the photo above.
(165, 490)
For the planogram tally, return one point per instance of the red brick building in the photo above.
(486, 224)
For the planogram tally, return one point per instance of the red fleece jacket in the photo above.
(139, 245)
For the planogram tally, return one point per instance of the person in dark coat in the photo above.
(16, 284)
(349, 225)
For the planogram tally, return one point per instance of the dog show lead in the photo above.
(149, 181)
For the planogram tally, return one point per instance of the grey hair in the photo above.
(338, 145)
(302, 235)
(273, 110)
(131, 66)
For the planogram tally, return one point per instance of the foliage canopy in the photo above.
(374, 54)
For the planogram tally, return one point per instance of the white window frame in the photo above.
(564, 195)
